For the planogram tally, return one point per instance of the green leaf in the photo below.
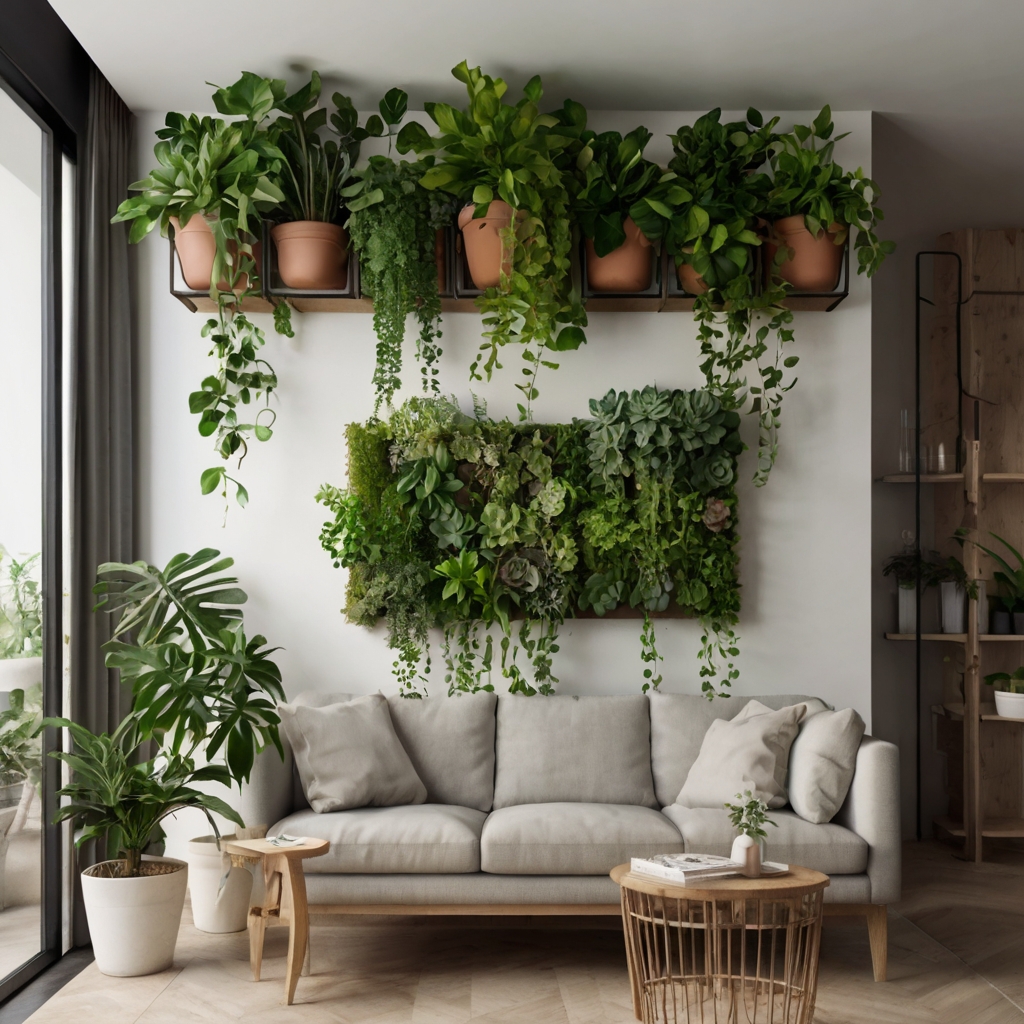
(211, 478)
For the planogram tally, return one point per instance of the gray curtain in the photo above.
(103, 411)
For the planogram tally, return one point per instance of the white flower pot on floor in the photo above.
(217, 908)
(134, 921)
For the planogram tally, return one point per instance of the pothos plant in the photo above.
(707, 209)
(223, 172)
(394, 227)
(497, 150)
(464, 523)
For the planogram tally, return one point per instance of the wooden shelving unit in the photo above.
(971, 380)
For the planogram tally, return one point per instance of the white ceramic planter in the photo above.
(748, 852)
(1009, 705)
(217, 908)
(134, 921)
(953, 599)
(907, 609)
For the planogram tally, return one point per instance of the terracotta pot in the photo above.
(690, 281)
(626, 269)
(816, 262)
(483, 243)
(196, 249)
(312, 255)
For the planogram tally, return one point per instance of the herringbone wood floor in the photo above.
(956, 956)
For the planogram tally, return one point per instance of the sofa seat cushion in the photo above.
(829, 848)
(418, 838)
(572, 838)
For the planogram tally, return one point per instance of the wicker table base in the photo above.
(741, 951)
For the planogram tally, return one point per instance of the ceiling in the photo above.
(947, 71)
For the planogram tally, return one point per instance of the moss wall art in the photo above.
(497, 532)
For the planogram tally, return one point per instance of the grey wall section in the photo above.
(925, 192)
(42, 48)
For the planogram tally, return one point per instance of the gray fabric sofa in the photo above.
(532, 801)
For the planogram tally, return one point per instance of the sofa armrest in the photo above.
(872, 810)
(267, 797)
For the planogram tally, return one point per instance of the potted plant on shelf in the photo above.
(749, 817)
(613, 176)
(813, 205)
(1010, 698)
(1011, 581)
(707, 208)
(206, 695)
(315, 179)
(505, 163)
(954, 589)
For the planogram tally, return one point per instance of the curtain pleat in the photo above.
(103, 521)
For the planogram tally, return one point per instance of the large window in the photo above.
(34, 175)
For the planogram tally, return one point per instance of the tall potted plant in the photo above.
(206, 695)
(813, 206)
(504, 162)
(613, 176)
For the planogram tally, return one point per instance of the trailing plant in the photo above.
(707, 209)
(466, 523)
(613, 175)
(1014, 682)
(395, 237)
(21, 607)
(808, 181)
(497, 150)
(226, 173)
(750, 816)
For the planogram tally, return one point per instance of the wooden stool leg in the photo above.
(257, 932)
(298, 932)
(878, 936)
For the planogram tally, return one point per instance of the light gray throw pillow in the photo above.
(348, 755)
(748, 752)
(450, 741)
(822, 763)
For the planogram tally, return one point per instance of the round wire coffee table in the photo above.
(734, 951)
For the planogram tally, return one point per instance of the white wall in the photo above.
(805, 624)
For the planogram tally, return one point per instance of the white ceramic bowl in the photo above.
(1009, 705)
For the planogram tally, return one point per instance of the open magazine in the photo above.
(691, 868)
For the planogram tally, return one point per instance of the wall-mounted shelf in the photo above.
(953, 478)
(991, 828)
(1000, 718)
(960, 638)
(664, 296)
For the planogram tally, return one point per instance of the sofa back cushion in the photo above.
(348, 755)
(309, 699)
(573, 749)
(678, 724)
(450, 741)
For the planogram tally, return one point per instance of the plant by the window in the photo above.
(496, 150)
(20, 756)
(21, 608)
(613, 176)
(464, 524)
(395, 236)
(808, 181)
(707, 209)
(750, 816)
(1011, 579)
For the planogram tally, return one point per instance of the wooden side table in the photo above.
(737, 949)
(284, 902)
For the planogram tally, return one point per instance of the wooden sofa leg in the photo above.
(878, 936)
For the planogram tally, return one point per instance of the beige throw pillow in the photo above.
(822, 762)
(348, 755)
(750, 751)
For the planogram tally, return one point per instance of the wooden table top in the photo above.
(796, 881)
(262, 847)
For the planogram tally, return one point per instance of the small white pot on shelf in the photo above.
(953, 600)
(907, 609)
(1009, 705)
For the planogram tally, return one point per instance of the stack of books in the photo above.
(695, 868)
